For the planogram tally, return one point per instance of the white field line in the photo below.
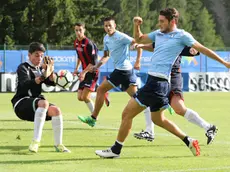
(112, 128)
(200, 169)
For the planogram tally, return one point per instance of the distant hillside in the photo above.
(219, 9)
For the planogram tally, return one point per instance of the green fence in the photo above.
(25, 47)
(70, 47)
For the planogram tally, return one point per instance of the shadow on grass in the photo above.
(88, 159)
(46, 161)
(9, 120)
(19, 148)
(66, 129)
(14, 148)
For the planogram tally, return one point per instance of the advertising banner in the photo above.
(8, 83)
(209, 81)
(66, 59)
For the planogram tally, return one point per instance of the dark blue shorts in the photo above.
(90, 81)
(153, 94)
(125, 78)
(176, 85)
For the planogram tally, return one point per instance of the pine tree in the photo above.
(203, 27)
(92, 14)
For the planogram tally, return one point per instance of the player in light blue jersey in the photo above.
(116, 47)
(176, 100)
(169, 42)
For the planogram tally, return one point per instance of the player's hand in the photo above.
(227, 64)
(134, 46)
(137, 20)
(193, 51)
(92, 68)
(82, 76)
(76, 72)
(137, 65)
(48, 66)
(139, 46)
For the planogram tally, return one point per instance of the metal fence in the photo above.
(65, 58)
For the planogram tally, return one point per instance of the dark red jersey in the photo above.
(87, 52)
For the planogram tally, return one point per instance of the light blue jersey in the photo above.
(118, 46)
(167, 48)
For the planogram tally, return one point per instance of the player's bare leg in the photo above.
(179, 107)
(85, 95)
(132, 90)
(159, 119)
(130, 111)
(101, 90)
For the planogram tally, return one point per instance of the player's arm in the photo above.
(93, 54)
(103, 60)
(137, 64)
(85, 71)
(50, 80)
(140, 47)
(76, 72)
(25, 80)
(189, 51)
(206, 51)
(147, 47)
(138, 35)
(48, 70)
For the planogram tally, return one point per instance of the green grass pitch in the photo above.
(166, 154)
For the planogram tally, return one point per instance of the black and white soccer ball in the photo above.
(63, 79)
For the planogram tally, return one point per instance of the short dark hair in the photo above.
(170, 13)
(36, 46)
(109, 19)
(80, 24)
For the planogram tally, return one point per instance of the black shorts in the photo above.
(153, 94)
(125, 78)
(26, 108)
(90, 81)
(176, 86)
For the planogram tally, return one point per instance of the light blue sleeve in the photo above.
(105, 46)
(187, 39)
(152, 35)
(125, 39)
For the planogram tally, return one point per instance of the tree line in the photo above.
(52, 21)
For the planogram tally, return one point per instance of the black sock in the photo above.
(93, 117)
(186, 141)
(116, 148)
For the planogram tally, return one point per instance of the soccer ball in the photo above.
(63, 79)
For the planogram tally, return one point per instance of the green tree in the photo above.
(129, 9)
(180, 5)
(92, 14)
(50, 21)
(220, 12)
(203, 26)
(113, 5)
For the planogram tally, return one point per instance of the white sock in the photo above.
(90, 106)
(194, 118)
(57, 125)
(148, 121)
(39, 120)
